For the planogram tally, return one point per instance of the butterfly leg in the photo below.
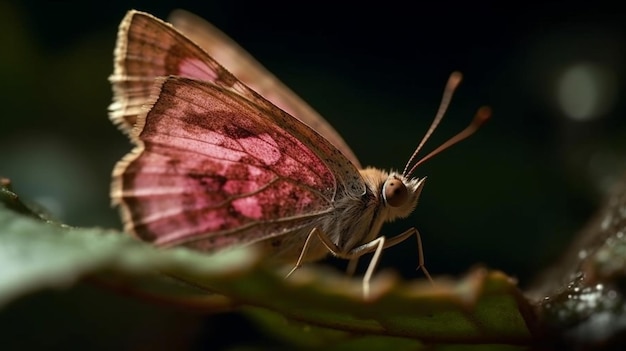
(373, 245)
(420, 252)
(352, 266)
(302, 253)
(331, 246)
(379, 243)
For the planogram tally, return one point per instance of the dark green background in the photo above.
(509, 197)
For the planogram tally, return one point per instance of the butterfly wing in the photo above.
(239, 62)
(148, 48)
(213, 169)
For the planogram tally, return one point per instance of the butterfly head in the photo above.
(396, 194)
(400, 194)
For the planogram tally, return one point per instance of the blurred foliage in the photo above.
(582, 300)
(528, 180)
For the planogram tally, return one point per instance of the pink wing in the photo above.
(148, 48)
(213, 169)
(240, 63)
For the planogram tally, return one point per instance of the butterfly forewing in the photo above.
(214, 169)
(148, 48)
(247, 69)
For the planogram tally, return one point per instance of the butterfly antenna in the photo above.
(481, 116)
(453, 83)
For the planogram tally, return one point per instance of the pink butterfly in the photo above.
(220, 163)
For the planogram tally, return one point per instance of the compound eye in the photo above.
(395, 193)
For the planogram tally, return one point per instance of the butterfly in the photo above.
(221, 161)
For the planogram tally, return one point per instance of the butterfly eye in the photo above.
(395, 193)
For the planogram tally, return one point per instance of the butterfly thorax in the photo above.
(354, 221)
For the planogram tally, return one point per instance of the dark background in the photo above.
(509, 198)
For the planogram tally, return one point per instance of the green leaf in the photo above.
(483, 308)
